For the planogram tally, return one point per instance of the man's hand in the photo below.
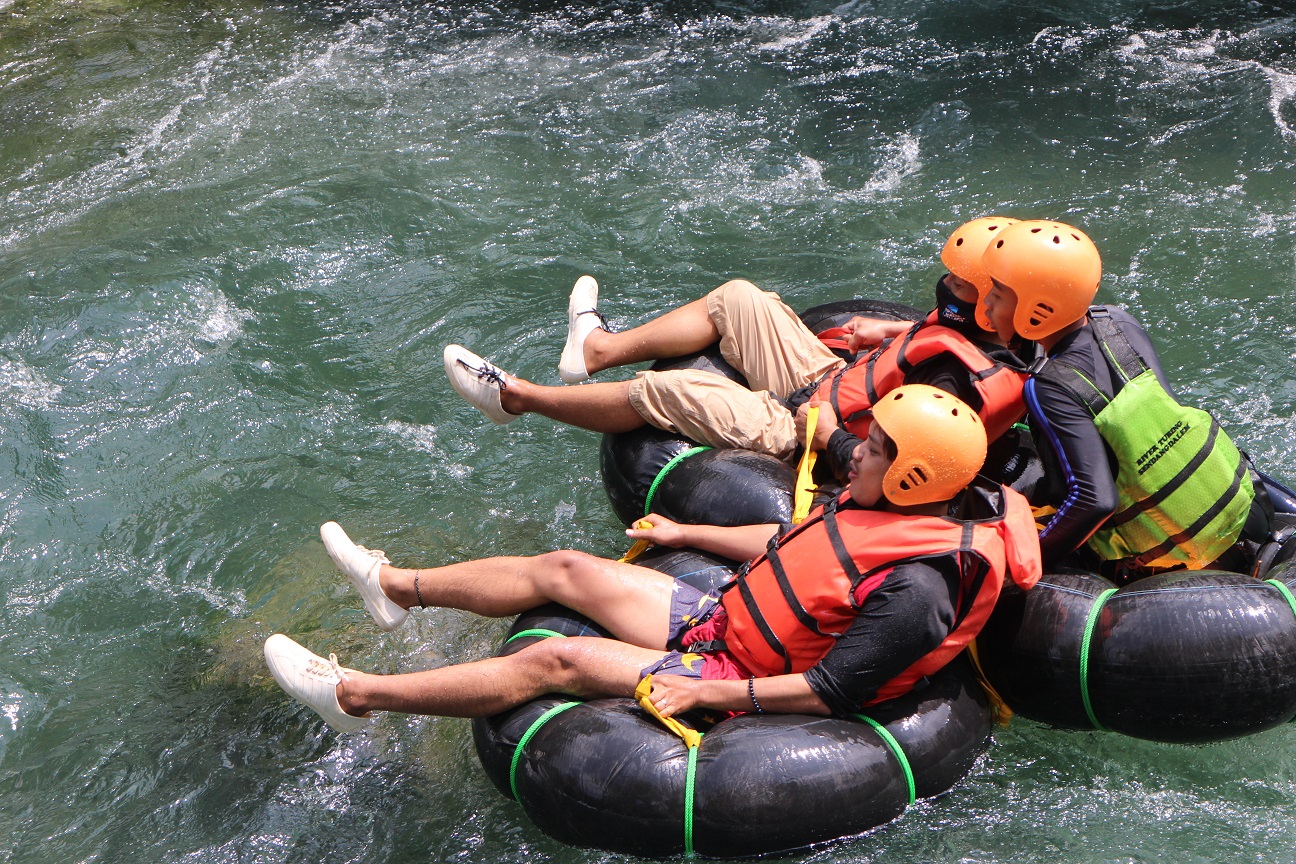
(675, 694)
(823, 430)
(863, 334)
(663, 531)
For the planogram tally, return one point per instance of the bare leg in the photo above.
(632, 602)
(587, 667)
(680, 331)
(602, 407)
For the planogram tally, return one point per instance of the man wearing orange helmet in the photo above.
(785, 364)
(874, 591)
(1146, 483)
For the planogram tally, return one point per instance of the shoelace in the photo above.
(321, 668)
(377, 554)
(489, 374)
(599, 315)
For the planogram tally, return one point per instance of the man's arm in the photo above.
(779, 694)
(737, 543)
(905, 615)
(1066, 428)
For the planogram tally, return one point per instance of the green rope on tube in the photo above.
(689, 784)
(526, 738)
(535, 631)
(894, 746)
(1287, 594)
(1090, 623)
(661, 475)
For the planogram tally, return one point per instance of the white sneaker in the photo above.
(311, 680)
(361, 566)
(583, 318)
(478, 381)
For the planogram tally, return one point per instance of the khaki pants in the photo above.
(761, 338)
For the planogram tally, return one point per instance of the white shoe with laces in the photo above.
(478, 381)
(311, 680)
(361, 567)
(583, 318)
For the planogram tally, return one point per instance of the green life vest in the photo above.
(1185, 491)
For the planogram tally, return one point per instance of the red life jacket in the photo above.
(852, 391)
(789, 606)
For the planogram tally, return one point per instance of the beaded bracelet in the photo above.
(418, 595)
(751, 692)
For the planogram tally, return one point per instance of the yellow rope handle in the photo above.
(692, 737)
(639, 547)
(803, 493)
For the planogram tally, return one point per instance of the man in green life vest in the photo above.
(1146, 484)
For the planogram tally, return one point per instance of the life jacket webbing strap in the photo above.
(535, 631)
(1172, 485)
(832, 393)
(744, 591)
(1114, 344)
(967, 559)
(1064, 374)
(526, 739)
(902, 356)
(1285, 592)
(807, 620)
(1206, 518)
(661, 475)
(894, 746)
(1090, 624)
(869, 389)
(839, 548)
(690, 783)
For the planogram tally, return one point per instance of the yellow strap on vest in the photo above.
(803, 492)
(639, 547)
(692, 737)
(998, 707)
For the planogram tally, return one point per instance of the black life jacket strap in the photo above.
(744, 591)
(1120, 354)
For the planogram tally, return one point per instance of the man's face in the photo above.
(868, 466)
(1001, 307)
(962, 288)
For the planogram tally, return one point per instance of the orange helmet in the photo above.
(940, 444)
(962, 256)
(1053, 269)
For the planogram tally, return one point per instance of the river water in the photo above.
(234, 238)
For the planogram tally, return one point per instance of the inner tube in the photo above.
(604, 774)
(1184, 657)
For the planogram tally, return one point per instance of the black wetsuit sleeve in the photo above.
(901, 620)
(1069, 441)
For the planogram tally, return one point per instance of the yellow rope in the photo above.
(803, 493)
(692, 737)
(639, 547)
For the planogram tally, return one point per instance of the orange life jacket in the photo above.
(852, 391)
(790, 605)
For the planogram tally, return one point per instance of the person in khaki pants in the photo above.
(759, 335)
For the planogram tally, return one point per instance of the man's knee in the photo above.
(738, 291)
(555, 662)
(563, 568)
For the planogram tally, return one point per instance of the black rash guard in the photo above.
(902, 619)
(1080, 467)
